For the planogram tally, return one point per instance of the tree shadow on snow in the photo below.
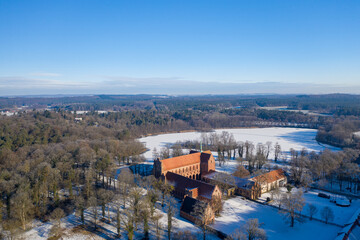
(303, 138)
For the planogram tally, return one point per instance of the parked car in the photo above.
(323, 195)
(343, 202)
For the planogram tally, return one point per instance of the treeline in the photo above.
(338, 104)
(340, 132)
(326, 168)
(139, 115)
(47, 127)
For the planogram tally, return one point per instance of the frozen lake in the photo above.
(296, 138)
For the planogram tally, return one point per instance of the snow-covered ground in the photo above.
(73, 231)
(357, 133)
(296, 138)
(237, 211)
(342, 214)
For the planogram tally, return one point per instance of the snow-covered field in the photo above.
(237, 211)
(342, 214)
(296, 138)
(72, 231)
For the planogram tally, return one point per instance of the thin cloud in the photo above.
(20, 85)
(14, 82)
(44, 74)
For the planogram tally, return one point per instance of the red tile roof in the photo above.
(180, 182)
(271, 176)
(185, 160)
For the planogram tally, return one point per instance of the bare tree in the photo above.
(171, 210)
(312, 209)
(135, 196)
(12, 228)
(22, 207)
(268, 149)
(118, 221)
(128, 220)
(57, 215)
(93, 202)
(157, 224)
(203, 216)
(126, 182)
(277, 151)
(241, 172)
(237, 235)
(155, 154)
(253, 230)
(298, 166)
(277, 196)
(145, 216)
(293, 204)
(164, 188)
(241, 146)
(102, 200)
(327, 214)
(177, 150)
(306, 180)
(165, 152)
(249, 155)
(260, 157)
(152, 196)
(249, 231)
(185, 235)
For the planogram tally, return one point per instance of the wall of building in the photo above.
(190, 171)
(210, 216)
(266, 187)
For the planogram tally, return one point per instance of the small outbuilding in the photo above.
(271, 180)
(242, 186)
(188, 210)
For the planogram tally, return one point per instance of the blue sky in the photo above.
(172, 46)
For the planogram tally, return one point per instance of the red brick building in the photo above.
(184, 173)
(187, 211)
(192, 165)
(193, 188)
(243, 186)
